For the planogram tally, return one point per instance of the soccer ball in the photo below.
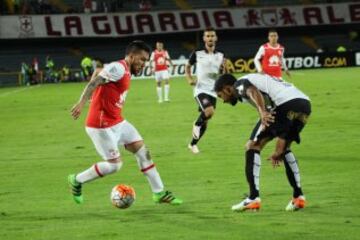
(122, 196)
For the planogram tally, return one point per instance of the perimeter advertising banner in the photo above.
(141, 23)
(306, 61)
(242, 65)
(246, 64)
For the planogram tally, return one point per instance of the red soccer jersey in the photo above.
(159, 57)
(108, 99)
(272, 60)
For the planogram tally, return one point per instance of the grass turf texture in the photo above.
(40, 145)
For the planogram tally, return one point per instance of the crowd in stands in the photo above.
(101, 6)
(107, 6)
(21, 7)
(27, 7)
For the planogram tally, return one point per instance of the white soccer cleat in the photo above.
(194, 149)
(296, 204)
(196, 132)
(160, 101)
(247, 204)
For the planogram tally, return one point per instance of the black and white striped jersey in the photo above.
(208, 68)
(276, 89)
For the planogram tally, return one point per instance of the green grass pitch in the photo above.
(40, 145)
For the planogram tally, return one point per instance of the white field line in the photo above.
(17, 91)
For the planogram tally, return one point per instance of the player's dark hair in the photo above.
(224, 80)
(209, 29)
(136, 46)
(272, 30)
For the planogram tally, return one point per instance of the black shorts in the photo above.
(290, 119)
(205, 100)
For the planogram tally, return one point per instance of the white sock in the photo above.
(256, 170)
(99, 169)
(159, 93)
(291, 160)
(167, 89)
(147, 166)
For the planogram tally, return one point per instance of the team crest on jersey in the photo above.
(205, 101)
(121, 101)
(161, 61)
(274, 60)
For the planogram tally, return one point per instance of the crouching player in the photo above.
(289, 116)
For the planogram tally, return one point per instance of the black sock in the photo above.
(252, 165)
(201, 119)
(202, 131)
(292, 173)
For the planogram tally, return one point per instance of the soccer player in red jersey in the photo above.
(270, 57)
(108, 129)
(160, 58)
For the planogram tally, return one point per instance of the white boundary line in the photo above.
(17, 91)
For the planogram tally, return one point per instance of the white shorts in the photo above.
(108, 140)
(161, 75)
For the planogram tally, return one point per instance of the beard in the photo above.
(212, 44)
(133, 71)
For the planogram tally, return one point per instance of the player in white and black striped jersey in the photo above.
(284, 122)
(210, 62)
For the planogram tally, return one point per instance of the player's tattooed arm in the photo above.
(85, 96)
(90, 87)
(256, 98)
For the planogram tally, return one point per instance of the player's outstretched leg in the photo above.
(147, 166)
(75, 188)
(293, 175)
(99, 169)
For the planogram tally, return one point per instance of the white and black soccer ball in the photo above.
(122, 196)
